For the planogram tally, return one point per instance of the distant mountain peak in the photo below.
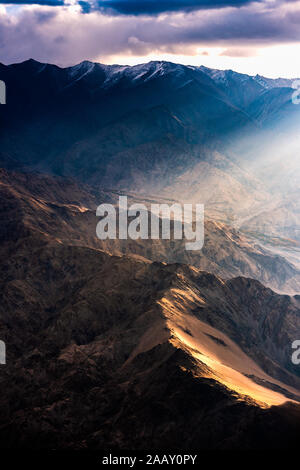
(84, 67)
(160, 67)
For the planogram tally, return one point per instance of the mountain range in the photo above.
(140, 343)
(147, 128)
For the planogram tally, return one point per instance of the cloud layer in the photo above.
(153, 7)
(137, 7)
(65, 35)
(33, 2)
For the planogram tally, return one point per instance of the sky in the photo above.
(247, 36)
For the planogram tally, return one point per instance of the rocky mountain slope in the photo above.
(62, 211)
(106, 351)
(155, 127)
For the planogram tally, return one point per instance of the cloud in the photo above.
(239, 52)
(136, 7)
(33, 2)
(154, 7)
(65, 36)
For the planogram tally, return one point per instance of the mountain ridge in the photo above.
(56, 209)
(278, 80)
(89, 332)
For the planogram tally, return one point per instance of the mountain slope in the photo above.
(89, 103)
(59, 210)
(110, 351)
(148, 128)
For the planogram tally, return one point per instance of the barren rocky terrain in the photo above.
(107, 350)
(141, 344)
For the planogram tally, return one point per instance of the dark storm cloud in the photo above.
(47, 34)
(154, 7)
